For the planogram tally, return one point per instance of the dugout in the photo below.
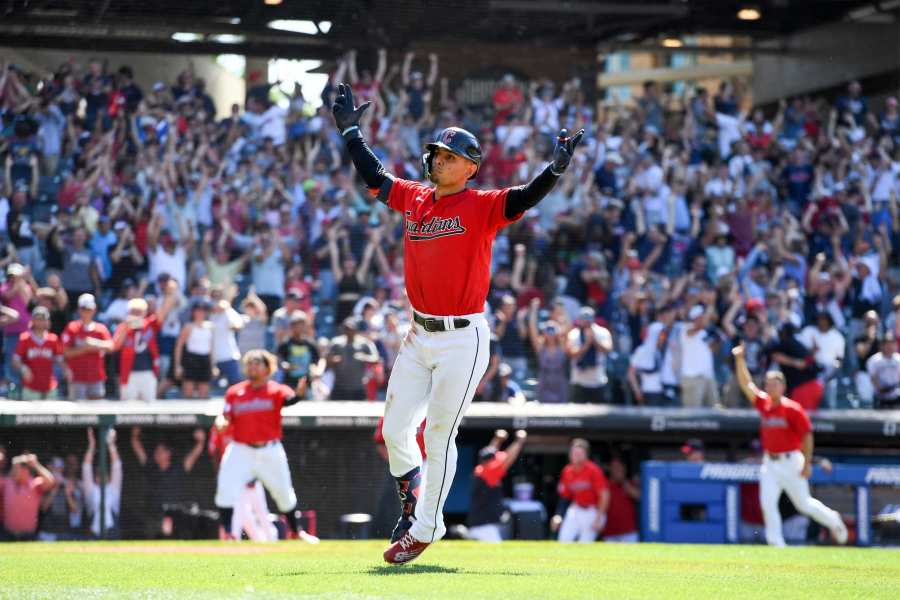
(338, 471)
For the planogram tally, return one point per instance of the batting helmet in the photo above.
(456, 140)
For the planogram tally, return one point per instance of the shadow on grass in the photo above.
(411, 570)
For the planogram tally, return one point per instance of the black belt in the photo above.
(263, 444)
(431, 325)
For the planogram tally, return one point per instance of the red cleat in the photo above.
(404, 550)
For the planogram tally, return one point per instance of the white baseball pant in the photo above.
(486, 533)
(434, 376)
(141, 386)
(242, 464)
(251, 515)
(578, 525)
(784, 474)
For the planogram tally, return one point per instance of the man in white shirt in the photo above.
(587, 346)
(698, 381)
(884, 369)
(826, 342)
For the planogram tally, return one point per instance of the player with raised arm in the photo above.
(449, 232)
(253, 408)
(787, 439)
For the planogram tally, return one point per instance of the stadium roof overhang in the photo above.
(243, 26)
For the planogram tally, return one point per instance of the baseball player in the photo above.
(486, 505)
(787, 441)
(253, 409)
(584, 497)
(449, 233)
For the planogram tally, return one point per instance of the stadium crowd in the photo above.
(146, 243)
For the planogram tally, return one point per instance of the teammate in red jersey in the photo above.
(787, 441)
(253, 411)
(449, 232)
(36, 353)
(584, 497)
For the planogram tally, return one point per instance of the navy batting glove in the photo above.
(346, 113)
(565, 148)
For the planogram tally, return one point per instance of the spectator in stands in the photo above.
(884, 369)
(587, 345)
(865, 346)
(112, 491)
(624, 494)
(348, 356)
(137, 341)
(827, 345)
(226, 323)
(85, 343)
(194, 358)
(62, 506)
(165, 481)
(798, 365)
(252, 334)
(507, 389)
(268, 263)
(511, 329)
(486, 503)
(698, 383)
(38, 352)
(549, 347)
(283, 317)
(23, 489)
(299, 357)
(15, 293)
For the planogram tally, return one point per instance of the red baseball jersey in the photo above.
(621, 516)
(582, 485)
(447, 245)
(782, 427)
(87, 367)
(39, 357)
(493, 471)
(255, 413)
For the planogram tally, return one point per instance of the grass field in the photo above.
(449, 570)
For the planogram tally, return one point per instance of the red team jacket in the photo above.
(136, 340)
(583, 485)
(87, 368)
(447, 246)
(255, 413)
(781, 428)
(40, 358)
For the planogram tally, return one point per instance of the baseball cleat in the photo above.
(303, 536)
(840, 533)
(404, 550)
(402, 526)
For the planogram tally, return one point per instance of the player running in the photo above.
(787, 440)
(253, 409)
(449, 234)
(584, 497)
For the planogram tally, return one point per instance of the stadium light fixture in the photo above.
(296, 26)
(749, 13)
(325, 26)
(186, 37)
(271, 2)
(672, 43)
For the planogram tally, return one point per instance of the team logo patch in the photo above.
(436, 227)
(448, 136)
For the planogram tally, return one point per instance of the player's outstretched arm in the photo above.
(751, 392)
(521, 198)
(346, 117)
